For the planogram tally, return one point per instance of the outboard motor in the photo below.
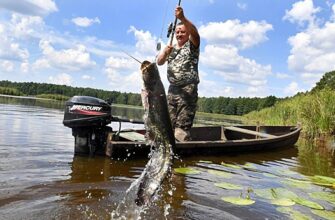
(88, 117)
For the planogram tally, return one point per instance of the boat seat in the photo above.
(247, 131)
(132, 136)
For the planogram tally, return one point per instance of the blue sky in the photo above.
(249, 48)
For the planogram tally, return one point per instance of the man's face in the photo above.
(182, 35)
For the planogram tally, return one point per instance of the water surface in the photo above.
(40, 178)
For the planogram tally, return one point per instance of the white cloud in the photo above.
(7, 66)
(123, 74)
(24, 67)
(226, 62)
(210, 88)
(292, 89)
(30, 7)
(301, 12)
(241, 35)
(85, 22)
(61, 79)
(146, 43)
(73, 59)
(9, 49)
(221, 56)
(88, 77)
(313, 52)
(23, 26)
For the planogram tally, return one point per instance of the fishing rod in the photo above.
(172, 28)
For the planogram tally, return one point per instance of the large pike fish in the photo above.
(159, 134)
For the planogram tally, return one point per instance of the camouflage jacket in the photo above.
(183, 65)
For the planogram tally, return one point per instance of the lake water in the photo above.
(40, 178)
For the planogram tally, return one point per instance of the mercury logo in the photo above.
(85, 107)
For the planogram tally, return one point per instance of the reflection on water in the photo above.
(40, 178)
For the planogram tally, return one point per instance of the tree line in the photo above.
(220, 105)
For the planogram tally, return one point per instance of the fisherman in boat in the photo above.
(182, 73)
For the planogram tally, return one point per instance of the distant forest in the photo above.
(220, 105)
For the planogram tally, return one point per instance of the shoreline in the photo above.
(26, 97)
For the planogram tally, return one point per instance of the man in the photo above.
(182, 72)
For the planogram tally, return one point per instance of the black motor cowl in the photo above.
(88, 117)
(86, 111)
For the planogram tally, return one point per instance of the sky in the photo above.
(249, 48)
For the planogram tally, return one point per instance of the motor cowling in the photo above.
(88, 117)
(83, 111)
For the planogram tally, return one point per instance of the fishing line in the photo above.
(131, 56)
(158, 46)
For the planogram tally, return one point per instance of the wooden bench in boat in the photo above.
(247, 131)
(132, 136)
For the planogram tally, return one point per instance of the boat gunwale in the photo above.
(216, 142)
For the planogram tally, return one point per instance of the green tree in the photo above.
(327, 81)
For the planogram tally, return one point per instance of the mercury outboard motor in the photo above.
(88, 117)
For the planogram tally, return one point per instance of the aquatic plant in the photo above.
(220, 173)
(225, 185)
(238, 200)
(314, 111)
(324, 214)
(293, 214)
(187, 171)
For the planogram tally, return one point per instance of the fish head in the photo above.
(150, 73)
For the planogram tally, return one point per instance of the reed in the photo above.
(314, 111)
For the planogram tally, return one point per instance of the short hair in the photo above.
(180, 23)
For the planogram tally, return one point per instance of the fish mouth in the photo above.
(144, 66)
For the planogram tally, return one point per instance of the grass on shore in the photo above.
(314, 111)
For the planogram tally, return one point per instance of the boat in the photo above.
(88, 117)
(209, 140)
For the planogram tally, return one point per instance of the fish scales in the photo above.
(159, 133)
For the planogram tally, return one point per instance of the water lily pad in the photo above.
(186, 170)
(250, 166)
(228, 185)
(294, 214)
(323, 180)
(275, 193)
(230, 165)
(220, 173)
(282, 202)
(302, 184)
(205, 161)
(324, 214)
(238, 200)
(283, 193)
(326, 196)
(264, 193)
(286, 172)
(307, 203)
